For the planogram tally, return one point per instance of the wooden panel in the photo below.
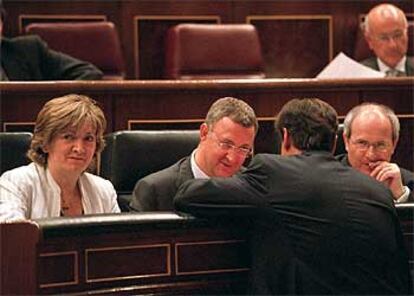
(19, 126)
(58, 269)
(18, 112)
(154, 104)
(211, 257)
(149, 44)
(345, 19)
(126, 262)
(286, 52)
(26, 19)
(18, 258)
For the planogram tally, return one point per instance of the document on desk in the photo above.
(343, 66)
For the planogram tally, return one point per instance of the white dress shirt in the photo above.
(30, 192)
(400, 66)
(197, 171)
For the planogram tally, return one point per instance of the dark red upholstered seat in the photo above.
(362, 50)
(213, 51)
(95, 42)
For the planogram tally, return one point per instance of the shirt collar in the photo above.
(197, 172)
(400, 66)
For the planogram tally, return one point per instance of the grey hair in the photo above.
(369, 106)
(237, 110)
(365, 24)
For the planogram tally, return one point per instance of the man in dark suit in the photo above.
(226, 139)
(28, 58)
(385, 29)
(318, 227)
(371, 133)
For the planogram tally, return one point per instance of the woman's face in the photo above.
(72, 150)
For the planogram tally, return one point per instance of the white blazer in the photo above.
(30, 192)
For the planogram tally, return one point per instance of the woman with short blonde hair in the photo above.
(68, 135)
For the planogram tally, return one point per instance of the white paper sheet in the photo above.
(343, 66)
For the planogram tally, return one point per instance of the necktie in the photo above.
(394, 73)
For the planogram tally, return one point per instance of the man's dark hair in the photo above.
(310, 122)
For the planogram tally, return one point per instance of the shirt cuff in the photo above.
(404, 196)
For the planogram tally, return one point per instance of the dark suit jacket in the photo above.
(155, 192)
(29, 58)
(406, 176)
(372, 63)
(320, 227)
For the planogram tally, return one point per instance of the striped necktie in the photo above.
(394, 73)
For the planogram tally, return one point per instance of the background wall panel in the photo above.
(296, 48)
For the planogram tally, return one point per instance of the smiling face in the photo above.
(370, 141)
(72, 150)
(223, 148)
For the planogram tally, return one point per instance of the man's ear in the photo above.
(346, 141)
(203, 131)
(394, 145)
(334, 144)
(368, 39)
(286, 141)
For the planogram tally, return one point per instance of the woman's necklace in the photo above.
(71, 206)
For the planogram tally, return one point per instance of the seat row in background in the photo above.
(128, 155)
(192, 51)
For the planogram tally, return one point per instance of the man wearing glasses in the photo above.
(226, 140)
(385, 30)
(315, 226)
(371, 133)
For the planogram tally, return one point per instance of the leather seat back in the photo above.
(131, 155)
(13, 149)
(213, 51)
(94, 42)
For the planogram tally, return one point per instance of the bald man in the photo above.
(385, 30)
(371, 133)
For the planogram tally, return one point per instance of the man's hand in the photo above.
(389, 174)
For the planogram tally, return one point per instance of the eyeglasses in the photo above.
(227, 146)
(378, 146)
(396, 36)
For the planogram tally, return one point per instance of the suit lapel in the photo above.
(184, 172)
(13, 64)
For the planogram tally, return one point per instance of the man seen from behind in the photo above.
(319, 227)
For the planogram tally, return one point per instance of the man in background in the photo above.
(319, 228)
(226, 140)
(371, 133)
(28, 58)
(385, 29)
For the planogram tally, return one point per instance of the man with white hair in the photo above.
(385, 29)
(371, 133)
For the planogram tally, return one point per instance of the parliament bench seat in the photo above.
(213, 51)
(132, 155)
(94, 42)
(13, 149)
